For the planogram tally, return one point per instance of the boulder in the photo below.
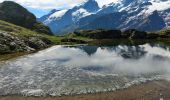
(10, 43)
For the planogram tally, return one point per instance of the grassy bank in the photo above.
(23, 32)
(14, 39)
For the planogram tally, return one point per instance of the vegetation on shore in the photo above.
(20, 33)
(130, 34)
(114, 37)
(15, 38)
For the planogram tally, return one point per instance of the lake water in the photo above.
(69, 70)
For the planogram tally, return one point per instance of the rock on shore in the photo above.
(10, 43)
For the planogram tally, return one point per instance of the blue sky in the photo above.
(38, 12)
(41, 7)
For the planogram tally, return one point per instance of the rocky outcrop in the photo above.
(10, 43)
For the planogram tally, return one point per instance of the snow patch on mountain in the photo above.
(80, 13)
(61, 19)
(159, 6)
(55, 16)
(58, 14)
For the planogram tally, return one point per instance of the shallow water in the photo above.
(65, 70)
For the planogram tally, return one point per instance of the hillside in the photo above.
(18, 15)
(14, 39)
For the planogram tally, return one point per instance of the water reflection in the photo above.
(83, 69)
(88, 49)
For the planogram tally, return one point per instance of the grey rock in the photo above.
(10, 43)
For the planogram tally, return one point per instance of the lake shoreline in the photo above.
(98, 42)
(92, 76)
(93, 42)
(5, 57)
(153, 90)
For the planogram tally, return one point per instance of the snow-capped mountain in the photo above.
(127, 14)
(60, 19)
(43, 18)
(147, 15)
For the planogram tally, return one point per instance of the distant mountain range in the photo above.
(144, 15)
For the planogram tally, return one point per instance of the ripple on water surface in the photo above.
(64, 70)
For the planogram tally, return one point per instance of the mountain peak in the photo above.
(10, 5)
(9, 2)
(91, 6)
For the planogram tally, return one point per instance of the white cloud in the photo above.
(51, 4)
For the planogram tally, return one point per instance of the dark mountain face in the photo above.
(127, 2)
(91, 6)
(109, 9)
(117, 20)
(16, 14)
(109, 21)
(154, 22)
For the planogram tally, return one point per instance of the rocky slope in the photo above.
(18, 15)
(18, 39)
(11, 44)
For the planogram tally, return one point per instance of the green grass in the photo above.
(74, 36)
(17, 30)
(164, 32)
(23, 32)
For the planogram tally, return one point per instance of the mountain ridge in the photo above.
(134, 12)
(70, 16)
